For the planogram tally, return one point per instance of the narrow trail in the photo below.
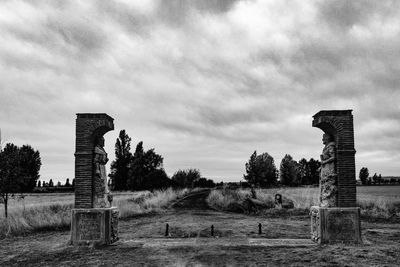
(193, 201)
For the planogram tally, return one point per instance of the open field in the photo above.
(364, 193)
(31, 200)
(37, 212)
(376, 202)
(283, 242)
(304, 197)
(52, 211)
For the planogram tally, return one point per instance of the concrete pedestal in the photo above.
(94, 227)
(335, 225)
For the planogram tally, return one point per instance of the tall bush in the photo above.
(261, 170)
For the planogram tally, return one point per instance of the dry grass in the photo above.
(143, 244)
(376, 202)
(147, 202)
(53, 212)
(223, 199)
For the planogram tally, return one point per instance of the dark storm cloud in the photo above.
(225, 116)
(204, 82)
(213, 6)
(173, 12)
(177, 12)
(342, 14)
(128, 17)
(78, 33)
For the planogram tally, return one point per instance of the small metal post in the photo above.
(212, 230)
(259, 229)
(167, 229)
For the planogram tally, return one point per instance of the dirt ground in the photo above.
(236, 242)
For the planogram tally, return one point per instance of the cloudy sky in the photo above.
(204, 82)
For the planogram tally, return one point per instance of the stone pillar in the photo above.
(339, 123)
(92, 224)
(340, 223)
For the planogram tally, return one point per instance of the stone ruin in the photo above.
(94, 221)
(336, 219)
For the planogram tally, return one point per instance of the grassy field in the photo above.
(236, 242)
(37, 212)
(376, 202)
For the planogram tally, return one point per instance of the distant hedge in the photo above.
(53, 189)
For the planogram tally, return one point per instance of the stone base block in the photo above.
(94, 227)
(335, 225)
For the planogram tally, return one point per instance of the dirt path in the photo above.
(235, 243)
(193, 201)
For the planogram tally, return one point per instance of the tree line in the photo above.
(50, 183)
(143, 170)
(262, 172)
(375, 179)
(52, 187)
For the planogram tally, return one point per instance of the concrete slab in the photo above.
(281, 242)
(228, 242)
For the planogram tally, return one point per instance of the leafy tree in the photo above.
(288, 171)
(204, 183)
(30, 164)
(364, 174)
(136, 169)
(51, 184)
(146, 170)
(67, 184)
(156, 179)
(179, 178)
(186, 178)
(380, 179)
(375, 178)
(308, 171)
(10, 174)
(19, 171)
(304, 172)
(120, 166)
(261, 170)
(314, 166)
(39, 184)
(73, 183)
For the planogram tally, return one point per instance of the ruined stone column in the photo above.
(336, 219)
(94, 221)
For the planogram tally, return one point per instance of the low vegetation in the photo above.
(377, 204)
(148, 202)
(47, 213)
(235, 199)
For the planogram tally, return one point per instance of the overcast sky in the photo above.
(204, 82)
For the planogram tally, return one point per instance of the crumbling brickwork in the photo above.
(88, 127)
(339, 123)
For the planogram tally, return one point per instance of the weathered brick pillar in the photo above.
(91, 224)
(342, 222)
(88, 127)
(339, 123)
